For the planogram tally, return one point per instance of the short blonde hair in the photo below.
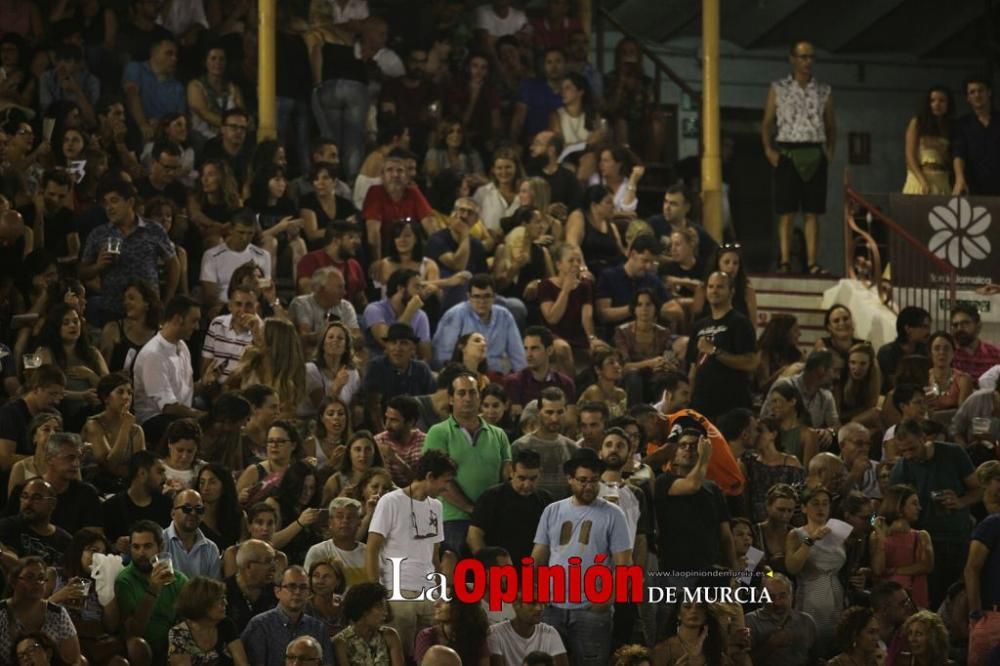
(197, 596)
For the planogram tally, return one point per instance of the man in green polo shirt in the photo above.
(480, 450)
(146, 594)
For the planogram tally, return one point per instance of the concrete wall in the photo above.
(877, 95)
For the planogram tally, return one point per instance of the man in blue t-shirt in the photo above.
(617, 285)
(583, 525)
(539, 97)
(982, 584)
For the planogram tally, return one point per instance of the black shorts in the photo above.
(792, 194)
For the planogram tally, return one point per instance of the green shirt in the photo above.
(131, 586)
(480, 457)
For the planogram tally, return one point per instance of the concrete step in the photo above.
(807, 318)
(791, 283)
(793, 301)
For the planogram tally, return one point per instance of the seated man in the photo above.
(69, 81)
(456, 251)
(972, 355)
(505, 350)
(250, 591)
(31, 531)
(512, 640)
(151, 89)
(813, 385)
(343, 546)
(394, 199)
(396, 372)
(218, 263)
(192, 552)
(342, 241)
(312, 312)
(617, 285)
(230, 334)
(528, 384)
(44, 391)
(402, 303)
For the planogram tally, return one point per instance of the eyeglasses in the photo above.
(299, 659)
(295, 587)
(278, 442)
(188, 509)
(730, 246)
(432, 523)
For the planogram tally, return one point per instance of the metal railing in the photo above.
(904, 273)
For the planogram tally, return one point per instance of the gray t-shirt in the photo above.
(584, 531)
(305, 310)
(553, 453)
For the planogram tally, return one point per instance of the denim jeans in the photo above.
(585, 633)
(293, 130)
(455, 532)
(341, 107)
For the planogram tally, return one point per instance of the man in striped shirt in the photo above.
(229, 334)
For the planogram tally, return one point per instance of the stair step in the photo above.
(798, 301)
(792, 284)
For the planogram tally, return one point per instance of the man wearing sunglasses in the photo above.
(192, 552)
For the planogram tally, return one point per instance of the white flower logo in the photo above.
(960, 233)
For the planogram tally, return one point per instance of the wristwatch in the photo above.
(809, 541)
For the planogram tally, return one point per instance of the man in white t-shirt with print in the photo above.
(512, 640)
(409, 523)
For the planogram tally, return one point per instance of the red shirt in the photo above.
(354, 275)
(548, 36)
(976, 362)
(379, 206)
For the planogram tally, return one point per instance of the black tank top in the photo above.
(124, 352)
(600, 250)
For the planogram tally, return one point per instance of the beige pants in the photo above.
(409, 617)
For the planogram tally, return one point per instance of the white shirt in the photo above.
(799, 110)
(507, 643)
(163, 376)
(988, 380)
(181, 15)
(493, 207)
(352, 562)
(487, 19)
(225, 344)
(354, 10)
(622, 495)
(393, 520)
(219, 263)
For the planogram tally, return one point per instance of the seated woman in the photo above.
(64, 342)
(323, 205)
(768, 466)
(771, 532)
(367, 639)
(470, 353)
(949, 387)
(173, 127)
(858, 398)
(914, 369)
(332, 431)
(284, 446)
(497, 199)
(451, 152)
(205, 635)
(40, 427)
(331, 373)
(27, 607)
(524, 261)
(619, 170)
(839, 324)
(582, 129)
(683, 274)
(859, 638)
(327, 584)
(779, 348)
(166, 213)
(372, 484)
(297, 500)
(796, 437)
(696, 638)
(212, 204)
(121, 340)
(608, 369)
(361, 455)
(913, 327)
(276, 360)
(180, 458)
(592, 229)
(113, 433)
(224, 521)
(928, 640)
(222, 431)
(535, 191)
(212, 93)
(460, 626)
(262, 523)
(263, 412)
(277, 216)
(644, 346)
(407, 251)
(566, 301)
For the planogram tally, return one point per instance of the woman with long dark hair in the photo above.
(788, 409)
(523, 264)
(858, 397)
(779, 347)
(331, 373)
(297, 500)
(211, 94)
(928, 134)
(695, 638)
(728, 258)
(619, 170)
(838, 321)
(362, 454)
(121, 340)
(459, 625)
(277, 215)
(592, 229)
(284, 446)
(899, 552)
(578, 123)
(332, 432)
(476, 103)
(223, 521)
(322, 206)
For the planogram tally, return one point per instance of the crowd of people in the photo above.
(263, 398)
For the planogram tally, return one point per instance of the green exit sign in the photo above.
(982, 306)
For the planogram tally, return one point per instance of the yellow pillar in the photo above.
(267, 99)
(711, 161)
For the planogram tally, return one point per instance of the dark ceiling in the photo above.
(925, 29)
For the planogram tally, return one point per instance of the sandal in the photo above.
(816, 269)
(785, 267)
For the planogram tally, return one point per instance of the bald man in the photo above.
(827, 470)
(439, 655)
(192, 552)
(303, 650)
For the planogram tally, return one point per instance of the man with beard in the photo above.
(396, 372)
(402, 303)
(51, 218)
(340, 250)
(582, 526)
(972, 355)
(781, 635)
(146, 593)
(343, 545)
(142, 500)
(615, 453)
(676, 207)
(520, 496)
(395, 199)
(193, 553)
(543, 161)
(401, 442)
(250, 591)
(552, 446)
(722, 353)
(31, 532)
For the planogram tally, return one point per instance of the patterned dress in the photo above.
(182, 642)
(820, 592)
(373, 652)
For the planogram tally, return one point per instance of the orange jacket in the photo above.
(722, 467)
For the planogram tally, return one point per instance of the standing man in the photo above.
(521, 497)
(799, 134)
(982, 584)
(553, 447)
(407, 524)
(192, 552)
(480, 451)
(724, 355)
(582, 526)
(976, 143)
(147, 594)
(124, 249)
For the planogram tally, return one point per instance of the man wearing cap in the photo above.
(402, 303)
(396, 372)
(342, 242)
